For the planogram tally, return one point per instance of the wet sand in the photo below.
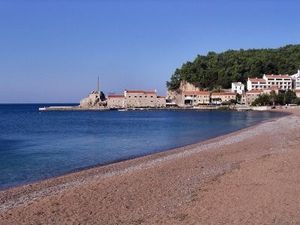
(247, 177)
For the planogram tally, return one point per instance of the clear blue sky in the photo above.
(53, 51)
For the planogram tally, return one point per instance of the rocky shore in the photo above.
(246, 177)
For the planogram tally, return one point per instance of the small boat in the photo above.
(122, 110)
(42, 109)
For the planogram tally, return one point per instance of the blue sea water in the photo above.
(37, 145)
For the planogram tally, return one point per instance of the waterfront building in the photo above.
(115, 101)
(238, 87)
(283, 82)
(195, 98)
(222, 97)
(296, 80)
(136, 99)
(252, 95)
(256, 84)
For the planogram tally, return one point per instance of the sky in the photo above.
(53, 51)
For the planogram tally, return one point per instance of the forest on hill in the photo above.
(218, 70)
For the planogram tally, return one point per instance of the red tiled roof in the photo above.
(257, 80)
(254, 92)
(115, 96)
(140, 92)
(277, 76)
(196, 93)
(223, 93)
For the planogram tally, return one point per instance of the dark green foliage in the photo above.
(279, 99)
(215, 70)
(262, 100)
(296, 101)
(289, 97)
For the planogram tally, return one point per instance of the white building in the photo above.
(282, 82)
(256, 84)
(237, 87)
(296, 80)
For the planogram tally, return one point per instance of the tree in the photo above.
(289, 97)
(262, 100)
(273, 97)
(221, 69)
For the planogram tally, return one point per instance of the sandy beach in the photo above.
(247, 177)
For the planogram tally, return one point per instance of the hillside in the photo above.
(217, 70)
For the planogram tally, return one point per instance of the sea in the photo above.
(38, 145)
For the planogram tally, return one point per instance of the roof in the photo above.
(256, 79)
(140, 92)
(238, 83)
(254, 92)
(196, 92)
(223, 93)
(115, 96)
(277, 76)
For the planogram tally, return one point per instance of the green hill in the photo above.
(217, 70)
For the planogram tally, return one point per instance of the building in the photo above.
(222, 97)
(296, 80)
(238, 87)
(252, 95)
(115, 101)
(297, 91)
(283, 82)
(194, 98)
(136, 99)
(256, 84)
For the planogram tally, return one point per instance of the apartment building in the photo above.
(256, 84)
(283, 82)
(195, 98)
(296, 80)
(221, 97)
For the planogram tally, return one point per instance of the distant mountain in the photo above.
(218, 70)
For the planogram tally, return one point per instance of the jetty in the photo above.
(95, 101)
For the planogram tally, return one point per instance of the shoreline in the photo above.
(16, 199)
(144, 156)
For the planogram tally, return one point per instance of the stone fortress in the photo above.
(129, 99)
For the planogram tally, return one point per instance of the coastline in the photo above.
(20, 201)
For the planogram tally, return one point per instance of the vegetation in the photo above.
(289, 97)
(219, 70)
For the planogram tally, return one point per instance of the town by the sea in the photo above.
(37, 145)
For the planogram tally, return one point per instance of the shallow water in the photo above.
(36, 145)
